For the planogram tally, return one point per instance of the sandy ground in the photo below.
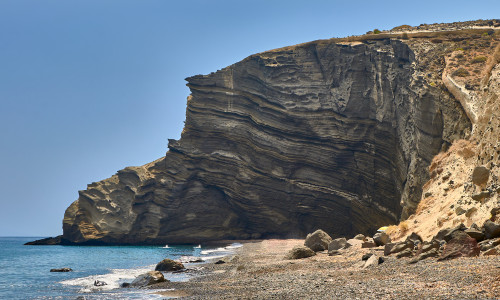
(260, 271)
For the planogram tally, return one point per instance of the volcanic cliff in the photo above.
(335, 134)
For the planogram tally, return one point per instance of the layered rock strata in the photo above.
(326, 135)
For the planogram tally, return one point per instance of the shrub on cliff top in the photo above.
(376, 31)
(402, 27)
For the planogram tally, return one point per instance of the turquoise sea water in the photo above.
(24, 270)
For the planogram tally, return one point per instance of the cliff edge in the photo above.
(334, 134)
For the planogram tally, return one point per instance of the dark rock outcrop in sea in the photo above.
(325, 135)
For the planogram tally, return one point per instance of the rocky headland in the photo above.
(345, 135)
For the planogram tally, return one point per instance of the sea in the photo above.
(25, 270)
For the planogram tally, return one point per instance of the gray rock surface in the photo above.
(169, 265)
(491, 229)
(318, 240)
(148, 278)
(337, 244)
(318, 135)
(381, 238)
(299, 252)
(61, 270)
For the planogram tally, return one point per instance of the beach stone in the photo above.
(299, 252)
(428, 246)
(491, 229)
(360, 264)
(99, 283)
(450, 231)
(373, 260)
(318, 240)
(354, 243)
(492, 251)
(167, 265)
(360, 237)
(399, 247)
(369, 243)
(475, 234)
(220, 262)
(434, 252)
(334, 252)
(405, 253)
(480, 175)
(62, 270)
(381, 238)
(488, 244)
(388, 248)
(337, 244)
(460, 245)
(148, 278)
(366, 256)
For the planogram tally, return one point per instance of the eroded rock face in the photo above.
(319, 135)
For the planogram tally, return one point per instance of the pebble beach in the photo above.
(259, 270)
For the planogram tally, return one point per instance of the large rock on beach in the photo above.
(392, 248)
(489, 244)
(460, 245)
(148, 278)
(478, 235)
(434, 252)
(318, 240)
(381, 238)
(299, 252)
(338, 244)
(168, 265)
(491, 229)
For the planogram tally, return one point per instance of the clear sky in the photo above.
(88, 87)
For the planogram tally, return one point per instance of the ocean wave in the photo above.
(112, 279)
(227, 249)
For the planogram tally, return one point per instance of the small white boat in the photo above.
(198, 247)
(166, 247)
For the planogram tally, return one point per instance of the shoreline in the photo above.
(259, 270)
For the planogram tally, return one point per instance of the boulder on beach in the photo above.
(167, 265)
(433, 252)
(299, 252)
(491, 229)
(489, 244)
(148, 278)
(368, 243)
(318, 240)
(381, 238)
(337, 244)
(460, 245)
(360, 237)
(61, 270)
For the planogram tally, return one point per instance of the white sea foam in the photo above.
(112, 279)
(116, 277)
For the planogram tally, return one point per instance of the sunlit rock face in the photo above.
(319, 135)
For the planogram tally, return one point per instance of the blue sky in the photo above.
(90, 87)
